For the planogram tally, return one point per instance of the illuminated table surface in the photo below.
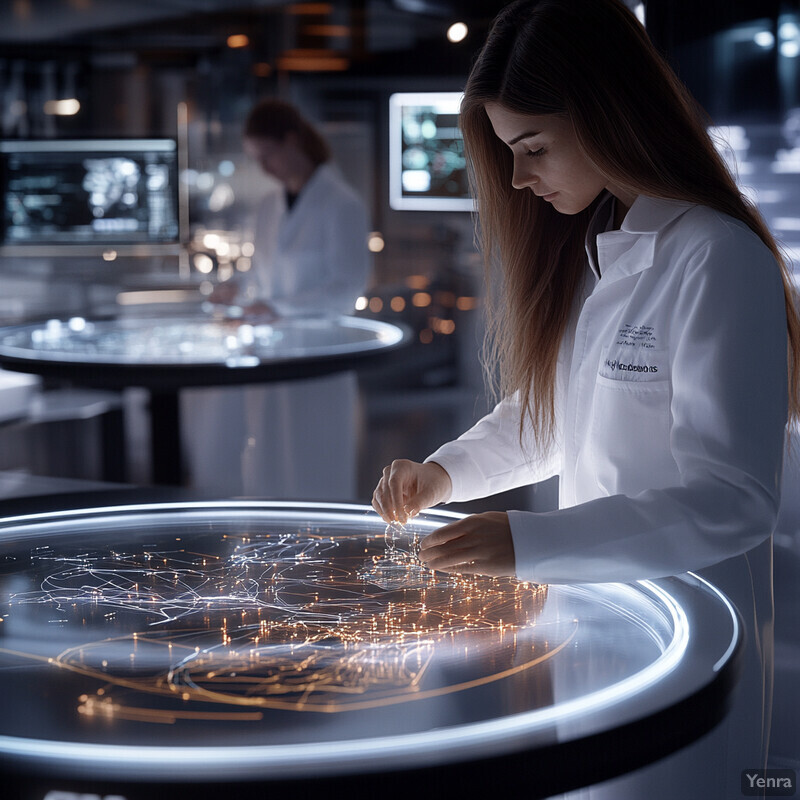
(166, 355)
(276, 645)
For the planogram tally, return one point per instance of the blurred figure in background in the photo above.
(295, 440)
(310, 237)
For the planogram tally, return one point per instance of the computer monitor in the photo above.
(427, 168)
(64, 197)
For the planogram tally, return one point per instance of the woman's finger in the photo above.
(447, 533)
(449, 559)
(376, 504)
(379, 499)
(396, 489)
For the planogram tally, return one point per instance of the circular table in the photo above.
(244, 649)
(166, 355)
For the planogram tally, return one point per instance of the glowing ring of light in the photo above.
(485, 738)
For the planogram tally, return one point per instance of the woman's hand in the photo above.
(407, 487)
(479, 544)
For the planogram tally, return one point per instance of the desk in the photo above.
(251, 649)
(166, 355)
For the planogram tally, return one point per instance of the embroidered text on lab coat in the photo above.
(633, 335)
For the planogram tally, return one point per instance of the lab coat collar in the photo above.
(630, 250)
(652, 214)
(310, 187)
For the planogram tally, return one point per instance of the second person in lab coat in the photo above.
(310, 235)
(296, 440)
(641, 333)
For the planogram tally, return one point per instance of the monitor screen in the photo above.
(427, 168)
(104, 193)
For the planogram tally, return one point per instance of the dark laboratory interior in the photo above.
(206, 368)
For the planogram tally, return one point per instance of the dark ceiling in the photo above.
(363, 37)
(34, 27)
(62, 21)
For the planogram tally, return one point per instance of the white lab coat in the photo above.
(671, 404)
(293, 440)
(312, 258)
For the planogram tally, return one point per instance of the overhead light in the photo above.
(421, 299)
(203, 263)
(294, 64)
(211, 240)
(238, 40)
(764, 39)
(375, 242)
(790, 49)
(315, 9)
(457, 32)
(329, 31)
(312, 61)
(466, 303)
(62, 108)
(417, 281)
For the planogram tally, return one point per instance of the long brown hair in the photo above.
(275, 119)
(591, 61)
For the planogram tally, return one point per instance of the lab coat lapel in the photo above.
(620, 253)
(630, 250)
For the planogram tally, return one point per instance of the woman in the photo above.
(641, 332)
(311, 235)
(296, 440)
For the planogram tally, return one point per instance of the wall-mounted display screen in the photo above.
(89, 192)
(427, 168)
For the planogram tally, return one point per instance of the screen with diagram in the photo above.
(89, 192)
(427, 168)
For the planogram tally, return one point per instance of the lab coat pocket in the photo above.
(629, 432)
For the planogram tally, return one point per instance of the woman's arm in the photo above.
(490, 457)
(487, 459)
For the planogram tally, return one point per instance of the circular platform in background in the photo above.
(171, 353)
